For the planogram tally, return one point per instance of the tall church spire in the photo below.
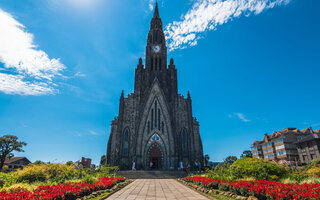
(156, 11)
(156, 50)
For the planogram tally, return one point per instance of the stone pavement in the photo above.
(156, 189)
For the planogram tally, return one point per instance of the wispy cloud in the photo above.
(93, 132)
(208, 14)
(241, 116)
(26, 70)
(151, 4)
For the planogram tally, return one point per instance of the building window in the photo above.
(281, 153)
(162, 127)
(155, 116)
(279, 140)
(280, 147)
(268, 150)
(126, 142)
(270, 156)
(152, 119)
(269, 144)
(159, 119)
(184, 142)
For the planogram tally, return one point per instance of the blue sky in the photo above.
(251, 67)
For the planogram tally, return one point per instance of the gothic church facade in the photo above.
(155, 124)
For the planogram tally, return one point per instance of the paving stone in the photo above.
(156, 189)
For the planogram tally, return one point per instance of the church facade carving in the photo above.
(155, 126)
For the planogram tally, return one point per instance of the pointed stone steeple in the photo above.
(122, 95)
(156, 11)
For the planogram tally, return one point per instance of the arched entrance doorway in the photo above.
(155, 157)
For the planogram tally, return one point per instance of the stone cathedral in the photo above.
(155, 124)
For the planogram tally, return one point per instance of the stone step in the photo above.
(152, 174)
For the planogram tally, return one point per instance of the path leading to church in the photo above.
(156, 189)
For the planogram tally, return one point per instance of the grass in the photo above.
(101, 196)
(221, 197)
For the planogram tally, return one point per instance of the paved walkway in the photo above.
(156, 189)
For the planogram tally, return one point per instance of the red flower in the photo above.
(60, 192)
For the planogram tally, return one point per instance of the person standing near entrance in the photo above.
(151, 164)
(188, 168)
(133, 166)
(180, 165)
(196, 165)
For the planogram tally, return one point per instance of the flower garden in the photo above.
(69, 191)
(57, 181)
(262, 189)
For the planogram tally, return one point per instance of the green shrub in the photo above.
(256, 168)
(298, 175)
(89, 179)
(46, 172)
(220, 172)
(314, 171)
(8, 179)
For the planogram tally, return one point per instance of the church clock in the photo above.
(156, 48)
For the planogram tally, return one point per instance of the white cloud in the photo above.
(151, 4)
(93, 132)
(208, 14)
(27, 70)
(241, 116)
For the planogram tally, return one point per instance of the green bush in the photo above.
(221, 172)
(7, 179)
(89, 179)
(314, 171)
(256, 168)
(46, 172)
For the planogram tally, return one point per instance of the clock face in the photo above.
(156, 48)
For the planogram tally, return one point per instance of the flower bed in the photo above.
(69, 191)
(262, 189)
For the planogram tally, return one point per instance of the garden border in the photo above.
(205, 192)
(111, 191)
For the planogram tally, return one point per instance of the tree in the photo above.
(230, 160)
(38, 162)
(206, 159)
(103, 160)
(69, 163)
(8, 144)
(246, 154)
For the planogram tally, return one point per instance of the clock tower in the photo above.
(156, 50)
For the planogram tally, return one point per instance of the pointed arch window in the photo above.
(184, 143)
(155, 116)
(162, 127)
(126, 137)
(152, 119)
(159, 126)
